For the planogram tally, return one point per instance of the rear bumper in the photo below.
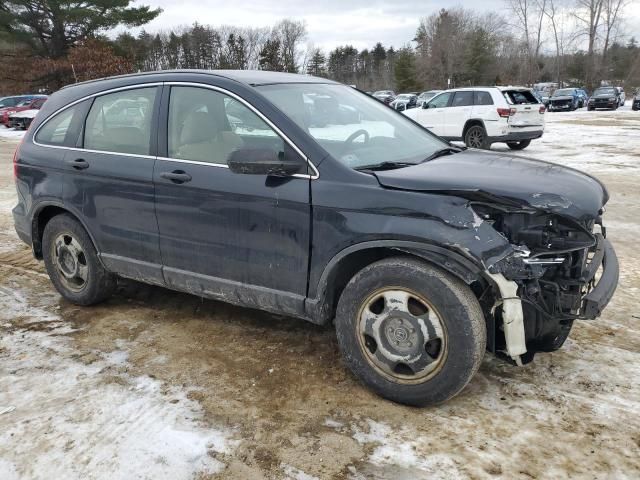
(22, 225)
(517, 136)
(594, 302)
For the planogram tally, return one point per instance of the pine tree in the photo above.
(52, 27)
(317, 63)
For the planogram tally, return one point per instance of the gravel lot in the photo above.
(157, 384)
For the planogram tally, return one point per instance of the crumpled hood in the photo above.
(562, 98)
(502, 177)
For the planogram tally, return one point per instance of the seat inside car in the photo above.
(203, 131)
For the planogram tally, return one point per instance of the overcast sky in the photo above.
(360, 23)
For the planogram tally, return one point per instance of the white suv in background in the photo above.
(480, 116)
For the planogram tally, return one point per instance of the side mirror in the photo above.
(425, 104)
(255, 161)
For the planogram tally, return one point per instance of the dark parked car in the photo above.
(405, 101)
(635, 104)
(567, 99)
(604, 97)
(385, 96)
(424, 255)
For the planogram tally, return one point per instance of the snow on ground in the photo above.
(87, 418)
(11, 133)
(596, 141)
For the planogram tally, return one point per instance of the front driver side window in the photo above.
(207, 126)
(440, 101)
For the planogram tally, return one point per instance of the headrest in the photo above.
(198, 127)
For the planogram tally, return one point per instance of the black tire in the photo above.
(590, 109)
(476, 137)
(456, 356)
(66, 246)
(521, 145)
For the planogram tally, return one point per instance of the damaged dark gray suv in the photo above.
(304, 197)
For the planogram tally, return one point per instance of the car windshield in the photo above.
(562, 92)
(383, 92)
(354, 128)
(605, 91)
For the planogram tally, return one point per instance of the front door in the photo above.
(457, 114)
(239, 237)
(433, 117)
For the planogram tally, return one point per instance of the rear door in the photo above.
(109, 178)
(433, 117)
(528, 115)
(458, 112)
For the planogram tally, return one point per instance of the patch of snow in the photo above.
(396, 448)
(80, 421)
(292, 473)
(11, 133)
(331, 423)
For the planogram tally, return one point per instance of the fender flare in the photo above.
(35, 213)
(466, 269)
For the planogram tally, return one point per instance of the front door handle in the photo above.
(78, 163)
(177, 176)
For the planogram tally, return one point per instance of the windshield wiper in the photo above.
(385, 166)
(442, 152)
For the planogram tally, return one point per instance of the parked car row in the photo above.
(18, 111)
(570, 99)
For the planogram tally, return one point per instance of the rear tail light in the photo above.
(542, 109)
(506, 112)
(16, 155)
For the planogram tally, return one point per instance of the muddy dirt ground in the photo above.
(159, 384)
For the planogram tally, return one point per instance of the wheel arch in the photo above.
(42, 214)
(472, 122)
(322, 302)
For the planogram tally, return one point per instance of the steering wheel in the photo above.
(349, 141)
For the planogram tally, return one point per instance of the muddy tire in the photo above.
(521, 145)
(411, 332)
(476, 137)
(72, 262)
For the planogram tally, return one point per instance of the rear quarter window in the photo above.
(482, 98)
(519, 97)
(57, 129)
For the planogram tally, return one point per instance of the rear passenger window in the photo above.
(121, 122)
(462, 99)
(56, 129)
(482, 98)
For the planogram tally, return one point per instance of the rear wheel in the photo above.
(411, 332)
(521, 145)
(72, 262)
(476, 137)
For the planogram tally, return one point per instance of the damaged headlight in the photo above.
(539, 240)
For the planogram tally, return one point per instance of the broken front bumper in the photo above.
(604, 257)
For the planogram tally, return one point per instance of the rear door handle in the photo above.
(177, 176)
(78, 163)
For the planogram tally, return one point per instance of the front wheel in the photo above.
(72, 262)
(521, 145)
(411, 332)
(476, 137)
